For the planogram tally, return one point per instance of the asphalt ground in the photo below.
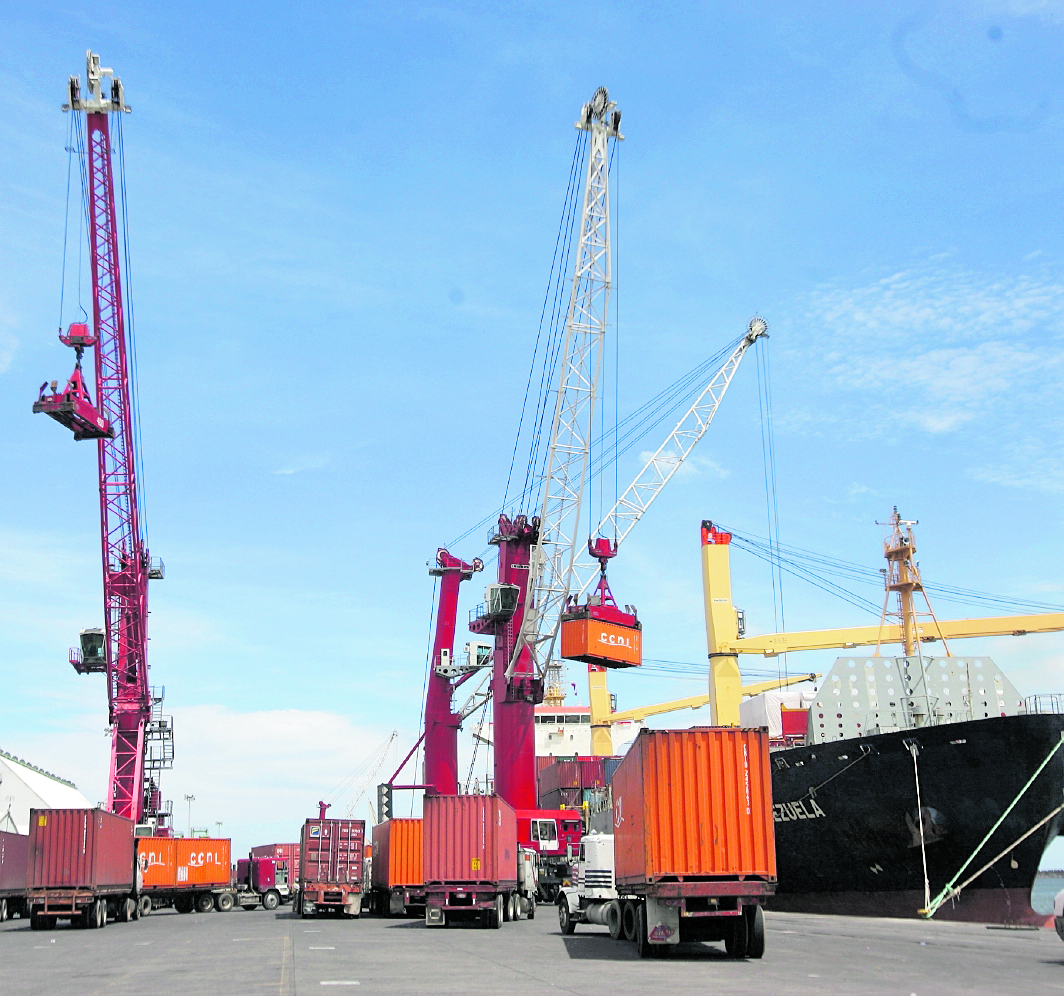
(277, 954)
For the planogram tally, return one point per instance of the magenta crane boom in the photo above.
(120, 651)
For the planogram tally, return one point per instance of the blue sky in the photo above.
(342, 220)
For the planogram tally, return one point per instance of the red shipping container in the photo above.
(592, 772)
(398, 854)
(286, 852)
(80, 849)
(331, 852)
(14, 851)
(561, 774)
(182, 863)
(470, 838)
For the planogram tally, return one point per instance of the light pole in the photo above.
(218, 824)
(190, 799)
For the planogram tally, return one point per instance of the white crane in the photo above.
(570, 441)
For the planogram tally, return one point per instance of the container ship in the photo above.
(907, 786)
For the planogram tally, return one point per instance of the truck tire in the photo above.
(1058, 923)
(127, 910)
(35, 921)
(144, 905)
(251, 906)
(3, 910)
(184, 904)
(224, 902)
(509, 910)
(495, 917)
(565, 917)
(204, 902)
(755, 931)
(629, 921)
(532, 907)
(271, 900)
(613, 920)
(643, 946)
(735, 940)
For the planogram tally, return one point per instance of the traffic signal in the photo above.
(384, 803)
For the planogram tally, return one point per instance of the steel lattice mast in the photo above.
(126, 563)
(570, 443)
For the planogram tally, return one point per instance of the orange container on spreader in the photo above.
(601, 641)
(691, 804)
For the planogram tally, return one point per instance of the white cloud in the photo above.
(260, 774)
(310, 462)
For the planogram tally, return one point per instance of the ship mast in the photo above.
(901, 577)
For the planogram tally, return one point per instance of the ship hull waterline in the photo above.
(851, 846)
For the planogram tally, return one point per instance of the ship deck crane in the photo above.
(901, 580)
(119, 650)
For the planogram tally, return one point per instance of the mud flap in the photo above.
(663, 922)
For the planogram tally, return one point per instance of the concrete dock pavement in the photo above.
(266, 953)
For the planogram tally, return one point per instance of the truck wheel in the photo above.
(1058, 922)
(495, 917)
(565, 918)
(126, 910)
(532, 907)
(144, 905)
(755, 931)
(735, 941)
(271, 900)
(643, 946)
(613, 919)
(223, 902)
(184, 904)
(204, 902)
(510, 908)
(3, 910)
(628, 920)
(35, 921)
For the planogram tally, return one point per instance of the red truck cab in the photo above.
(555, 834)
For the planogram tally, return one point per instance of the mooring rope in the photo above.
(950, 890)
(915, 750)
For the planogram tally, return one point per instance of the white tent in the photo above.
(765, 709)
(24, 787)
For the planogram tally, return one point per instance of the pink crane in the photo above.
(120, 650)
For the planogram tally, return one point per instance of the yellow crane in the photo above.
(726, 690)
(902, 579)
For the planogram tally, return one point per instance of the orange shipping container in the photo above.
(595, 641)
(398, 854)
(182, 863)
(694, 803)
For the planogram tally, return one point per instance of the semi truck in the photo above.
(262, 881)
(555, 836)
(474, 868)
(331, 876)
(80, 868)
(692, 853)
(186, 873)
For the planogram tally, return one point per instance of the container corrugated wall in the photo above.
(470, 838)
(694, 803)
(398, 854)
(176, 863)
(331, 852)
(14, 852)
(80, 849)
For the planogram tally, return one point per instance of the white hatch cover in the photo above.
(862, 696)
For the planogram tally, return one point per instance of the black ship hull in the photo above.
(851, 846)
